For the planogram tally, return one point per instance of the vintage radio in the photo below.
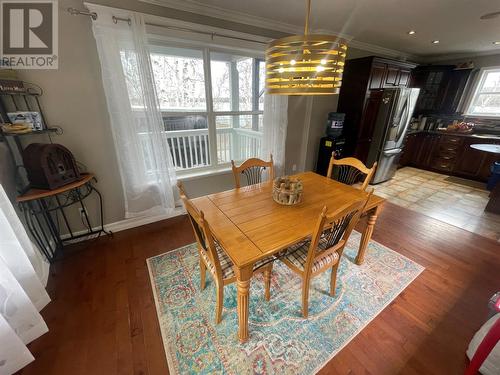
(49, 166)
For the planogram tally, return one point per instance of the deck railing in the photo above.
(190, 148)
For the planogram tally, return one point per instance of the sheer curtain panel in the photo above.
(275, 127)
(145, 163)
(23, 275)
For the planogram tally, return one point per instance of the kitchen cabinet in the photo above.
(432, 81)
(453, 97)
(441, 88)
(409, 149)
(471, 160)
(388, 74)
(362, 82)
(474, 163)
(404, 77)
(449, 154)
(446, 153)
(426, 143)
(485, 170)
(377, 76)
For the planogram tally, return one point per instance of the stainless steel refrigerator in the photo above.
(393, 118)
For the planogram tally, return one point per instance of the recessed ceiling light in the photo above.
(490, 16)
(412, 32)
(435, 42)
(497, 43)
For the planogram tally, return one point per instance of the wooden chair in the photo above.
(323, 251)
(252, 169)
(214, 258)
(350, 171)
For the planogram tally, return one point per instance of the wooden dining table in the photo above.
(251, 226)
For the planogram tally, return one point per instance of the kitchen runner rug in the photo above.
(281, 341)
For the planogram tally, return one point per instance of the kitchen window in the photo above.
(212, 105)
(485, 101)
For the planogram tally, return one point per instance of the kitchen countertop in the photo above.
(470, 135)
(494, 149)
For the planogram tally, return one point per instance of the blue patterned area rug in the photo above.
(281, 341)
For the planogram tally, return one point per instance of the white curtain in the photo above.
(275, 124)
(146, 167)
(23, 275)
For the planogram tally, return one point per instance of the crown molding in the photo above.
(353, 43)
(266, 23)
(458, 56)
(226, 14)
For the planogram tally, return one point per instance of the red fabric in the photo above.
(484, 349)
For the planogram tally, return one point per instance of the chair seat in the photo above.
(226, 264)
(297, 255)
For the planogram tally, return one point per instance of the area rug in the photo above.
(281, 341)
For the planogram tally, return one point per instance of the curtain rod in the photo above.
(93, 15)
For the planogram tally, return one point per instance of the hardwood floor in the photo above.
(102, 317)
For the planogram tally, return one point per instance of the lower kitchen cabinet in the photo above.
(446, 154)
(470, 161)
(409, 146)
(449, 154)
(423, 150)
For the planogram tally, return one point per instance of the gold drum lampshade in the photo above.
(305, 65)
(309, 64)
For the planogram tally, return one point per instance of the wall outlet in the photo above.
(294, 168)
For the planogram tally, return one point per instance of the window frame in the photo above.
(477, 90)
(155, 44)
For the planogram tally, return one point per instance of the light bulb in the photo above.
(323, 61)
(281, 70)
(320, 68)
(293, 62)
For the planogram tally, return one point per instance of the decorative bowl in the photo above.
(287, 190)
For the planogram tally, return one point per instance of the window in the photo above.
(212, 105)
(486, 98)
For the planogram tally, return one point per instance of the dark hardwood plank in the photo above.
(102, 317)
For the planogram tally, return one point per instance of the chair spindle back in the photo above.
(252, 169)
(350, 171)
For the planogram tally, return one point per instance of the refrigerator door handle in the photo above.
(402, 115)
(394, 151)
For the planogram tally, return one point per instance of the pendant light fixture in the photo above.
(309, 64)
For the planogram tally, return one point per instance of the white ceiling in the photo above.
(384, 23)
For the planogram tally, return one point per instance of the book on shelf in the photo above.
(10, 85)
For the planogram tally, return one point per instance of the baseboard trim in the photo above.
(125, 224)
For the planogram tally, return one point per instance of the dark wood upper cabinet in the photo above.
(404, 77)
(458, 81)
(441, 88)
(362, 77)
(392, 76)
(377, 76)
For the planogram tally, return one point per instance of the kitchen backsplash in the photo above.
(481, 125)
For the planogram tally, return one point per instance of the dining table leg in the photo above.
(371, 219)
(243, 276)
